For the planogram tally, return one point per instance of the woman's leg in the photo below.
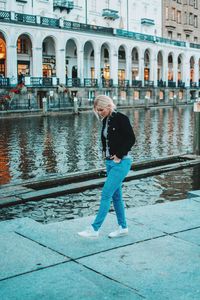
(116, 174)
(118, 204)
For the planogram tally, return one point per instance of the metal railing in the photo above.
(137, 83)
(73, 82)
(4, 81)
(90, 82)
(161, 83)
(50, 22)
(148, 83)
(23, 18)
(171, 83)
(107, 83)
(43, 81)
(193, 84)
(123, 83)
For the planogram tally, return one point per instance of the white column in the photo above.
(186, 72)
(97, 63)
(196, 71)
(175, 69)
(80, 65)
(129, 66)
(37, 62)
(165, 69)
(141, 69)
(60, 65)
(114, 66)
(154, 69)
(12, 63)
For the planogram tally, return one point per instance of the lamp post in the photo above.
(86, 17)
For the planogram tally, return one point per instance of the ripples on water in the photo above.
(39, 146)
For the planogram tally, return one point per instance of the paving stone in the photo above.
(166, 268)
(168, 217)
(192, 236)
(64, 282)
(14, 225)
(19, 255)
(62, 236)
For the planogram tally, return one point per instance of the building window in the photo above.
(179, 17)
(191, 2)
(2, 5)
(191, 19)
(187, 37)
(94, 5)
(195, 4)
(167, 13)
(195, 39)
(179, 1)
(173, 14)
(185, 17)
(179, 36)
(170, 34)
(195, 21)
(22, 46)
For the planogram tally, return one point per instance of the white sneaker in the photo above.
(89, 233)
(118, 233)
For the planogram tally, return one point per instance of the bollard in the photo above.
(44, 106)
(146, 101)
(196, 147)
(75, 105)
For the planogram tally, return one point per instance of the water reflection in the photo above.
(39, 146)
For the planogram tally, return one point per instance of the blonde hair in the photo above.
(103, 101)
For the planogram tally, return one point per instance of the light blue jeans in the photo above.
(112, 189)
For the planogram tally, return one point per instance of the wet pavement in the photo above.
(169, 186)
(159, 259)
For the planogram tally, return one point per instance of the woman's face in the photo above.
(103, 111)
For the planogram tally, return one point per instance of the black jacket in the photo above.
(120, 135)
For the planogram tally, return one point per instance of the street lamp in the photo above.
(86, 18)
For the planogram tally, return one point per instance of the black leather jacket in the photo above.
(120, 135)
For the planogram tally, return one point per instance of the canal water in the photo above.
(35, 147)
(41, 146)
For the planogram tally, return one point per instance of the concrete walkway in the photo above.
(159, 259)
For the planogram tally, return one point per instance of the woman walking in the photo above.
(117, 139)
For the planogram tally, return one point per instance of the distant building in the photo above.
(113, 47)
(181, 20)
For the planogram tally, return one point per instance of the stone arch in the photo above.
(49, 56)
(135, 63)
(89, 68)
(3, 55)
(105, 61)
(71, 58)
(24, 56)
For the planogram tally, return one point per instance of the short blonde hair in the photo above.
(104, 101)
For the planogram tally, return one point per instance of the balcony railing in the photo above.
(90, 82)
(148, 83)
(73, 82)
(161, 83)
(110, 14)
(42, 81)
(5, 16)
(4, 81)
(22, 18)
(193, 84)
(107, 83)
(181, 84)
(63, 4)
(50, 22)
(171, 83)
(137, 83)
(148, 22)
(123, 83)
